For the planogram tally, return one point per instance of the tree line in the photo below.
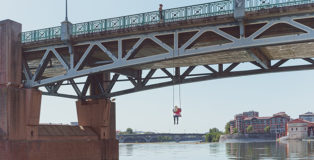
(249, 129)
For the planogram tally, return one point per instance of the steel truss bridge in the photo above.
(155, 137)
(176, 46)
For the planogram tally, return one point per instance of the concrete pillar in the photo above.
(19, 107)
(19, 113)
(10, 53)
(100, 116)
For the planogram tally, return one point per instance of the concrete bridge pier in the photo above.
(21, 136)
(100, 116)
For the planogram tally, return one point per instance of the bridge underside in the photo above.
(149, 53)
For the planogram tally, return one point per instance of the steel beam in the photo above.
(186, 77)
(259, 57)
(213, 77)
(149, 76)
(231, 67)
(127, 72)
(279, 63)
(210, 68)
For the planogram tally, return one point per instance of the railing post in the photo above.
(239, 14)
(49, 33)
(66, 30)
(143, 22)
(164, 15)
(91, 26)
(34, 39)
(88, 27)
(105, 25)
(186, 13)
(123, 22)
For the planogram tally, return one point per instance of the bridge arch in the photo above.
(134, 139)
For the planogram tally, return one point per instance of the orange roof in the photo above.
(311, 124)
(298, 121)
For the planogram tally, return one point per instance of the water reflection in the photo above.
(129, 149)
(289, 149)
(214, 148)
(217, 151)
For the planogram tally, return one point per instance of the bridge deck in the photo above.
(192, 36)
(149, 48)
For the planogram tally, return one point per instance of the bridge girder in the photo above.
(142, 85)
(123, 62)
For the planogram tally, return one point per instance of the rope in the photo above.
(173, 95)
(180, 95)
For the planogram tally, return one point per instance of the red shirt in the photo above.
(178, 112)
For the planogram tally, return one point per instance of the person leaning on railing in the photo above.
(161, 17)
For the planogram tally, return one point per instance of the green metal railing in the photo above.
(169, 15)
(253, 5)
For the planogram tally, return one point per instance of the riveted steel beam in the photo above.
(259, 57)
(188, 78)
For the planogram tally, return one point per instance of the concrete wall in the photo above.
(297, 130)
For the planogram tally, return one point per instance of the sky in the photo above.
(205, 104)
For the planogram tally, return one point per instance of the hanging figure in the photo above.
(176, 114)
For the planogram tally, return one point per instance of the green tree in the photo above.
(249, 129)
(129, 131)
(213, 130)
(235, 130)
(213, 135)
(227, 128)
(267, 129)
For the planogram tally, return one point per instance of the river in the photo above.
(217, 151)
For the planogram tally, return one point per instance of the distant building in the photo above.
(74, 123)
(277, 123)
(308, 116)
(238, 121)
(250, 114)
(300, 129)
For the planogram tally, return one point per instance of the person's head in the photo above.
(175, 107)
(160, 6)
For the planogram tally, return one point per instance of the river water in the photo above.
(217, 151)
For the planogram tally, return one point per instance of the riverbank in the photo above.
(240, 138)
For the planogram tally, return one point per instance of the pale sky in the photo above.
(205, 104)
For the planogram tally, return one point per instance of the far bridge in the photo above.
(160, 137)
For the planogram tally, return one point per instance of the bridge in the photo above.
(149, 50)
(160, 137)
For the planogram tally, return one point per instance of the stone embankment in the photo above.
(236, 138)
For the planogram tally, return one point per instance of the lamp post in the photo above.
(66, 26)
